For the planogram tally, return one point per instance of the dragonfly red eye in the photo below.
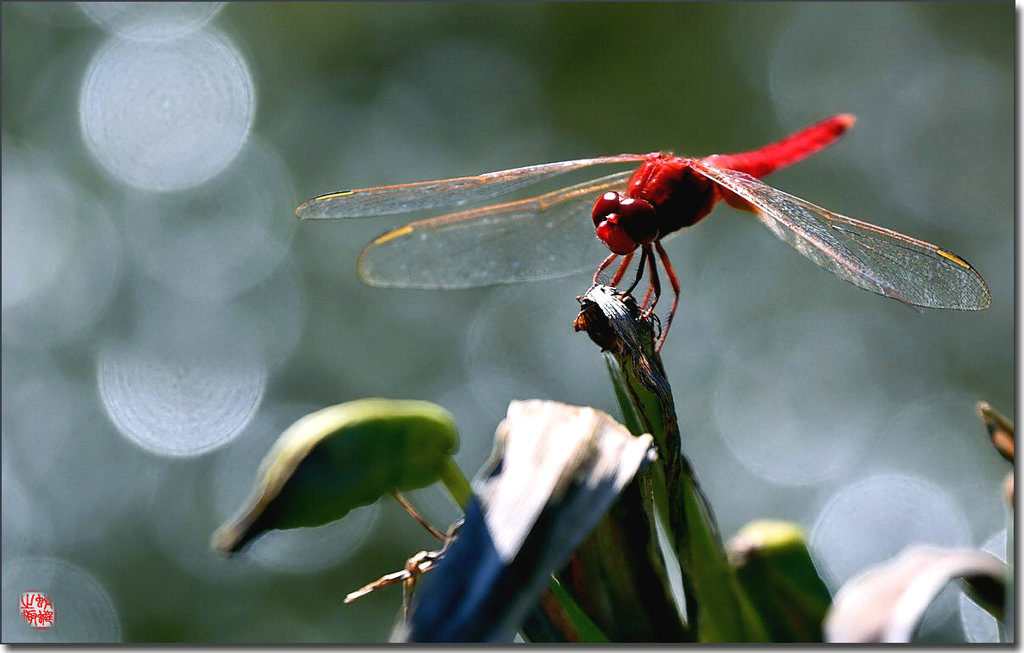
(605, 206)
(606, 218)
(624, 223)
(638, 218)
(615, 237)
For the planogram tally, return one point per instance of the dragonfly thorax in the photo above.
(624, 223)
(680, 195)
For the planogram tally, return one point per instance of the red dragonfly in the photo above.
(550, 236)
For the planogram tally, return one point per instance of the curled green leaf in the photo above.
(339, 458)
(775, 568)
(715, 602)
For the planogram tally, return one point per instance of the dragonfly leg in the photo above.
(647, 295)
(674, 281)
(644, 256)
(604, 264)
(622, 269)
(655, 282)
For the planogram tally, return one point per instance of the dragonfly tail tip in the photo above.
(847, 120)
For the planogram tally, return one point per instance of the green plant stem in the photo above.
(717, 605)
(456, 483)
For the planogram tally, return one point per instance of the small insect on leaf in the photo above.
(339, 458)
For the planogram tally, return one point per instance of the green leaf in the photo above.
(716, 603)
(584, 628)
(557, 618)
(618, 575)
(775, 568)
(339, 458)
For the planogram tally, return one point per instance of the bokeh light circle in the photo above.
(27, 526)
(61, 253)
(178, 405)
(219, 238)
(151, 20)
(66, 456)
(37, 239)
(167, 115)
(308, 550)
(84, 611)
(787, 430)
(872, 520)
(181, 520)
(34, 446)
(932, 151)
(189, 376)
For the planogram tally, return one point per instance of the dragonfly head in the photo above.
(624, 223)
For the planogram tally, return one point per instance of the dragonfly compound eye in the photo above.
(606, 218)
(605, 206)
(638, 218)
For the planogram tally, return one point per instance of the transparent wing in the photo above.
(406, 198)
(544, 237)
(877, 259)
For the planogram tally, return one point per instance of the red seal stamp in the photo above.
(37, 610)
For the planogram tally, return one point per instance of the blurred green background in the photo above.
(165, 316)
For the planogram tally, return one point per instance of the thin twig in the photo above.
(417, 516)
